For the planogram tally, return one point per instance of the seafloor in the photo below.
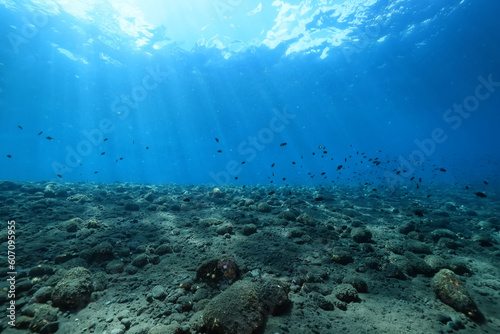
(144, 259)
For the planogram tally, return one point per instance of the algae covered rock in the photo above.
(448, 287)
(242, 308)
(74, 289)
(237, 310)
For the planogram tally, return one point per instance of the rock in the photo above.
(322, 302)
(342, 257)
(115, 267)
(361, 235)
(237, 310)
(436, 263)
(357, 283)
(407, 228)
(248, 229)
(43, 294)
(442, 233)
(140, 260)
(418, 265)
(74, 289)
(346, 293)
(305, 219)
(164, 249)
(273, 295)
(44, 315)
(218, 271)
(225, 228)
(158, 292)
(483, 239)
(288, 215)
(449, 288)
(417, 247)
(8, 185)
(263, 207)
(40, 271)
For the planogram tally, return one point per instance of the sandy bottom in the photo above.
(355, 260)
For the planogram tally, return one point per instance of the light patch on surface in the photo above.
(258, 9)
(71, 56)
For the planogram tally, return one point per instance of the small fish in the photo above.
(133, 141)
(283, 144)
(339, 167)
(120, 159)
(20, 127)
(103, 153)
(442, 169)
(467, 187)
(271, 192)
(105, 139)
(413, 178)
(186, 200)
(480, 194)
(219, 151)
(39, 133)
(236, 178)
(96, 172)
(49, 138)
(284, 178)
(9, 156)
(147, 147)
(485, 182)
(293, 162)
(217, 139)
(272, 165)
(59, 176)
(243, 162)
(323, 173)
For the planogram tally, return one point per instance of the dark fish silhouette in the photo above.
(96, 172)
(219, 151)
(9, 156)
(39, 133)
(103, 153)
(339, 167)
(147, 147)
(272, 165)
(59, 175)
(105, 139)
(20, 127)
(49, 138)
(186, 200)
(480, 194)
(283, 144)
(217, 139)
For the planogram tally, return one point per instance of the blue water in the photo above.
(141, 93)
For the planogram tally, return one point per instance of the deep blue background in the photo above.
(375, 98)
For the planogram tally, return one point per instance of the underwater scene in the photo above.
(249, 167)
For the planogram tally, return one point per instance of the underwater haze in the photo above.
(207, 91)
(248, 167)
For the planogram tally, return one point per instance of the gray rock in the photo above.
(74, 289)
(450, 289)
